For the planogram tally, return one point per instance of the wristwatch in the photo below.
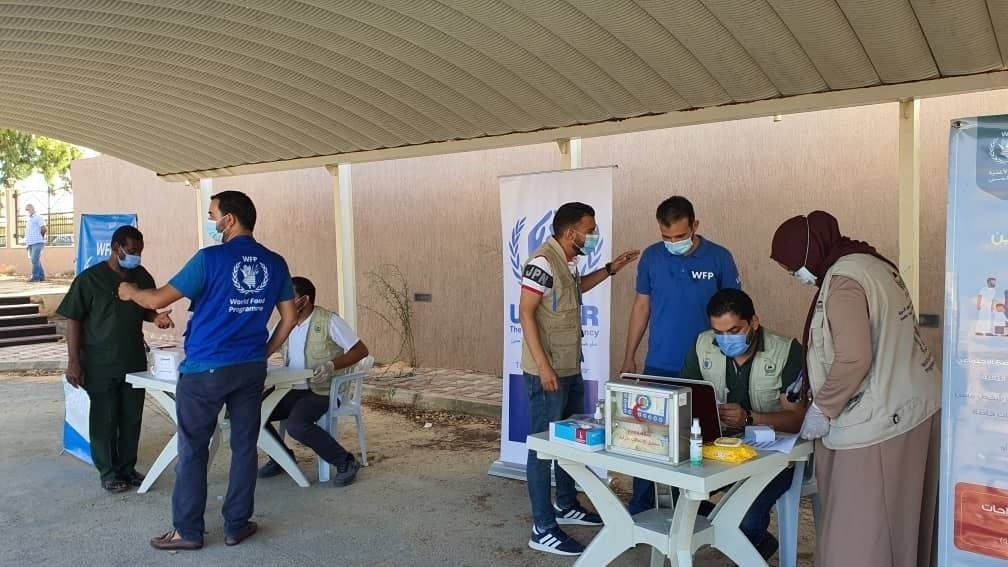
(748, 418)
(609, 270)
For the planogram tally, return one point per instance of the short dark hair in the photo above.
(731, 301)
(674, 209)
(125, 233)
(569, 214)
(238, 204)
(303, 286)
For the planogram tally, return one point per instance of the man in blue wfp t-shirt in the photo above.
(676, 278)
(233, 288)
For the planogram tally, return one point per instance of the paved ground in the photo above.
(426, 499)
(428, 388)
(13, 286)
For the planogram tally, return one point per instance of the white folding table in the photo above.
(679, 534)
(163, 392)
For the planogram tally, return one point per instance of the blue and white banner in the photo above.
(974, 466)
(94, 239)
(528, 203)
(76, 427)
(94, 245)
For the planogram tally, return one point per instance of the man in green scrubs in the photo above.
(105, 342)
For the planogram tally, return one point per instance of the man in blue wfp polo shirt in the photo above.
(233, 289)
(675, 280)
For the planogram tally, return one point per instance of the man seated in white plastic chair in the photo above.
(324, 342)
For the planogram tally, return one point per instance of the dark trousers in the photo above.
(301, 409)
(116, 411)
(545, 407)
(643, 490)
(199, 399)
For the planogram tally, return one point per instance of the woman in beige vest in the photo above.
(876, 395)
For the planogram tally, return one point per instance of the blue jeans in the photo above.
(643, 490)
(35, 254)
(199, 399)
(545, 407)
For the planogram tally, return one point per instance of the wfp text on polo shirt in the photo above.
(248, 305)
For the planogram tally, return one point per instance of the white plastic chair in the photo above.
(343, 402)
(346, 402)
(789, 513)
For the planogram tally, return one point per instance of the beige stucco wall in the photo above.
(165, 213)
(56, 260)
(438, 220)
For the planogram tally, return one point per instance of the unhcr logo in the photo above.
(541, 231)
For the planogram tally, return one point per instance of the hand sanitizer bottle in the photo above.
(696, 443)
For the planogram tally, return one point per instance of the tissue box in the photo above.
(578, 433)
(759, 434)
(166, 362)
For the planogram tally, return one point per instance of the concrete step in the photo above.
(17, 341)
(19, 309)
(27, 330)
(21, 320)
(15, 300)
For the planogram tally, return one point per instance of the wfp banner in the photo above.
(974, 464)
(94, 239)
(527, 205)
(94, 244)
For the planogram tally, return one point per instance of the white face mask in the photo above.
(804, 276)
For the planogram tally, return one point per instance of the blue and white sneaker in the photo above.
(576, 516)
(554, 541)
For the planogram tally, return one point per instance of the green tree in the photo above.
(23, 154)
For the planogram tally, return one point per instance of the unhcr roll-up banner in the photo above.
(94, 238)
(528, 203)
(94, 245)
(974, 467)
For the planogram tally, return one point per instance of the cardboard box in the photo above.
(166, 362)
(577, 433)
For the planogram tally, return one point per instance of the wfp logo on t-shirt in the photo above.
(250, 276)
(703, 275)
(540, 233)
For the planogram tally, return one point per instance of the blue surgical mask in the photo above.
(129, 261)
(733, 345)
(213, 232)
(679, 248)
(590, 245)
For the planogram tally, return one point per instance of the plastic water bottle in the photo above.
(696, 443)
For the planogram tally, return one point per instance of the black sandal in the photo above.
(115, 486)
(135, 479)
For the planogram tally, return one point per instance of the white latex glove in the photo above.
(322, 373)
(816, 425)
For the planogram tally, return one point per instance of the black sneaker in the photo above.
(576, 516)
(271, 468)
(346, 473)
(554, 541)
(768, 547)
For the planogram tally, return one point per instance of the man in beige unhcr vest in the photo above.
(751, 368)
(550, 316)
(321, 341)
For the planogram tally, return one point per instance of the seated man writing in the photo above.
(751, 368)
(321, 341)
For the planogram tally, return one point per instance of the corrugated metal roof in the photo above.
(178, 86)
